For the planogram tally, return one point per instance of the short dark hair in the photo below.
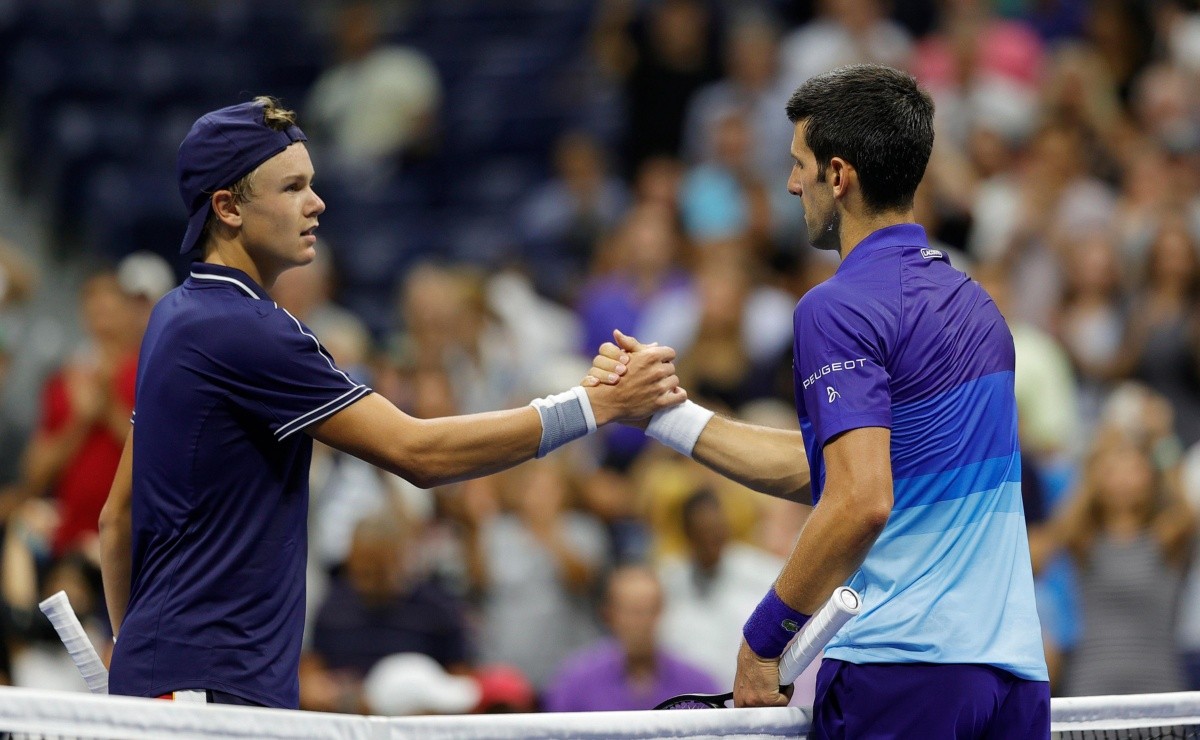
(877, 119)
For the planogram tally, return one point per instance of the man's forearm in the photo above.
(116, 539)
(833, 544)
(854, 509)
(432, 452)
(763, 459)
(116, 565)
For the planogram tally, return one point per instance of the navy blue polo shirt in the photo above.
(898, 338)
(227, 382)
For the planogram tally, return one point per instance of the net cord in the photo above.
(64, 714)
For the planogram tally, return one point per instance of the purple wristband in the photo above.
(772, 626)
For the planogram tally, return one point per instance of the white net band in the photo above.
(29, 713)
(36, 714)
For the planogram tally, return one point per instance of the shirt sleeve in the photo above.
(285, 377)
(841, 370)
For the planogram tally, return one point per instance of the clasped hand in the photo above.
(650, 381)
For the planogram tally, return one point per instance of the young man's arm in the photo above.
(116, 538)
(432, 452)
(855, 506)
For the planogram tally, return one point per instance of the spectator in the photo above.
(1163, 102)
(1091, 317)
(378, 103)
(844, 32)
(562, 219)
(1128, 529)
(381, 605)
(657, 182)
(1163, 349)
(450, 327)
(711, 592)
(723, 196)
(86, 408)
(1146, 198)
(630, 670)
(729, 329)
(642, 262)
(751, 87)
(534, 565)
(673, 57)
(1122, 34)
(973, 56)
(1054, 198)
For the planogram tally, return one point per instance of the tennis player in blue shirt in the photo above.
(203, 536)
(904, 392)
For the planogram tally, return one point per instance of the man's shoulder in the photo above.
(240, 324)
(844, 294)
(830, 292)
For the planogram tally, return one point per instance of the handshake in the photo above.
(636, 384)
(629, 381)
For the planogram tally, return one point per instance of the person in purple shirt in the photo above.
(904, 393)
(629, 671)
(204, 534)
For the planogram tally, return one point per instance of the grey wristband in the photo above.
(565, 416)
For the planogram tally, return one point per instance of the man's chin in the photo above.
(824, 239)
(306, 255)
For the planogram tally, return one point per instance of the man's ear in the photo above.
(226, 208)
(839, 176)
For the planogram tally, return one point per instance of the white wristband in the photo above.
(565, 416)
(679, 426)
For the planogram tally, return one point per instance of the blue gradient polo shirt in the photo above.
(898, 338)
(227, 382)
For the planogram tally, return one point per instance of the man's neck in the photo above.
(232, 254)
(857, 228)
(640, 668)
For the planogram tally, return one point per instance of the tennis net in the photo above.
(27, 714)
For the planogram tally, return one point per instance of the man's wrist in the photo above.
(772, 625)
(679, 427)
(601, 412)
(565, 417)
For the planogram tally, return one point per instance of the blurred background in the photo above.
(507, 181)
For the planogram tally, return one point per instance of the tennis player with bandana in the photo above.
(203, 537)
(904, 392)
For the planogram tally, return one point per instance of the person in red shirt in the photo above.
(85, 410)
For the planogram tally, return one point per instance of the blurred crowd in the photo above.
(1065, 178)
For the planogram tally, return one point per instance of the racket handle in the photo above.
(844, 604)
(58, 610)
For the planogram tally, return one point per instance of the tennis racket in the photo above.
(58, 610)
(844, 604)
